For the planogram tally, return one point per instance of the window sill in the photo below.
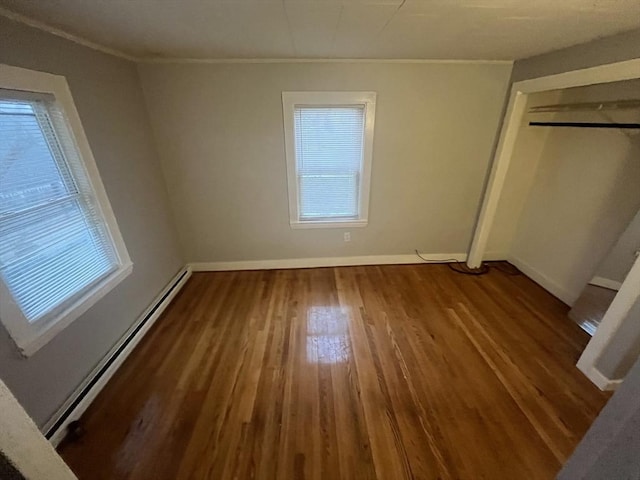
(330, 224)
(29, 340)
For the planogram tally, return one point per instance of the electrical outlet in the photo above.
(347, 236)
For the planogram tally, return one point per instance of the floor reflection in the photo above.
(328, 335)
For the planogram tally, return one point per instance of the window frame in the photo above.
(31, 337)
(329, 99)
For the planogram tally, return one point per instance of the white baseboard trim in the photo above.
(544, 281)
(79, 401)
(605, 283)
(286, 263)
(600, 380)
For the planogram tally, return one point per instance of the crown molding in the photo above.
(163, 60)
(17, 17)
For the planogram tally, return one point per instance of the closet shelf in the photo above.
(588, 107)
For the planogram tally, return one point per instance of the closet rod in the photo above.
(626, 126)
(592, 106)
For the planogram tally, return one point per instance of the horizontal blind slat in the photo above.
(76, 276)
(329, 148)
(25, 179)
(54, 244)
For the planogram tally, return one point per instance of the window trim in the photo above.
(31, 337)
(289, 102)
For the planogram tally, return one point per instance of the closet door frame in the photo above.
(629, 292)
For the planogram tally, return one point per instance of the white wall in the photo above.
(220, 132)
(107, 94)
(526, 157)
(583, 194)
(616, 48)
(609, 450)
(623, 349)
(578, 207)
(618, 262)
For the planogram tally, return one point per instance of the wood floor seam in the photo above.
(509, 388)
(409, 372)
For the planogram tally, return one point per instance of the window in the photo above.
(60, 249)
(329, 142)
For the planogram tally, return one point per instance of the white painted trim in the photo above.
(606, 283)
(622, 303)
(497, 177)
(17, 17)
(602, 382)
(324, 224)
(153, 312)
(23, 444)
(544, 281)
(29, 337)
(366, 100)
(630, 289)
(323, 60)
(287, 263)
(613, 72)
(29, 344)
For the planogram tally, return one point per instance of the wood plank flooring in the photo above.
(380, 372)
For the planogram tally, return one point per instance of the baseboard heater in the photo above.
(56, 432)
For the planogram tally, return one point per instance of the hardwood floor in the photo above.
(389, 372)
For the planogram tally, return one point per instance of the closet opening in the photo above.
(561, 203)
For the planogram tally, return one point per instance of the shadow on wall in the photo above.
(598, 294)
(624, 347)
(8, 471)
(584, 194)
(613, 217)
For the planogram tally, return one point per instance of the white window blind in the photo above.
(54, 243)
(329, 149)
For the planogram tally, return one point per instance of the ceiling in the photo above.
(389, 29)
